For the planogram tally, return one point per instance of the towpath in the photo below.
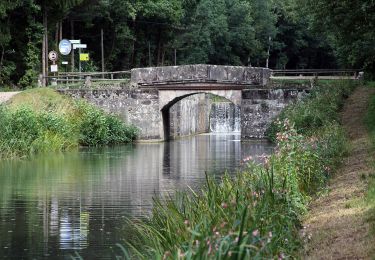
(336, 227)
(5, 96)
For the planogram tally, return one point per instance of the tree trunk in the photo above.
(46, 45)
(159, 48)
(163, 56)
(61, 31)
(102, 49)
(57, 35)
(132, 57)
(44, 74)
(2, 56)
(268, 52)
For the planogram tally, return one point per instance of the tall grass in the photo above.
(42, 121)
(256, 213)
(318, 110)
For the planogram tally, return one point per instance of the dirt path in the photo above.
(335, 227)
(5, 96)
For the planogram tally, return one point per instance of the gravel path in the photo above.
(5, 96)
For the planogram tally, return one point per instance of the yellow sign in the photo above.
(84, 57)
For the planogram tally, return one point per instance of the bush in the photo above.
(97, 128)
(318, 109)
(24, 130)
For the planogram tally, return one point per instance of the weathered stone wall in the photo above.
(188, 110)
(190, 116)
(260, 106)
(134, 106)
(232, 74)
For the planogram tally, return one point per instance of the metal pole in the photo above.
(175, 57)
(79, 58)
(72, 37)
(102, 45)
(268, 51)
(149, 54)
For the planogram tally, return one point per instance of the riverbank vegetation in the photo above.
(41, 120)
(257, 213)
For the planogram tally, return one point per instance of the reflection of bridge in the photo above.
(152, 93)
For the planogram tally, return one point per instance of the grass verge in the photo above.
(370, 195)
(41, 120)
(257, 213)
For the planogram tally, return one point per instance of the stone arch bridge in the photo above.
(153, 92)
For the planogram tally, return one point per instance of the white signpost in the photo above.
(53, 56)
(77, 45)
(75, 41)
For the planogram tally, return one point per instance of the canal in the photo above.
(76, 203)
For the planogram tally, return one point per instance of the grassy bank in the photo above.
(41, 120)
(257, 213)
(370, 196)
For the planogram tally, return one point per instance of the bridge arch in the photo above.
(167, 98)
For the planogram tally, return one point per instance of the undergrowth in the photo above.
(41, 120)
(318, 110)
(256, 213)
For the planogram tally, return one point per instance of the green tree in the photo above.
(7, 66)
(351, 27)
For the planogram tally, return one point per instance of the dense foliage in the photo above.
(350, 25)
(257, 213)
(137, 33)
(25, 130)
(320, 109)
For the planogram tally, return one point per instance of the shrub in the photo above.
(24, 130)
(318, 109)
(95, 127)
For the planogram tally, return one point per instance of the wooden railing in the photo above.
(317, 73)
(95, 78)
(74, 78)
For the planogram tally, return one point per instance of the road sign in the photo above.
(79, 46)
(84, 57)
(53, 56)
(54, 68)
(75, 41)
(65, 47)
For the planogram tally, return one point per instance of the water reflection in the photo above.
(54, 205)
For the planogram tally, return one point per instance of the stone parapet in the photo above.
(201, 73)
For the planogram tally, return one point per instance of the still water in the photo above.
(75, 203)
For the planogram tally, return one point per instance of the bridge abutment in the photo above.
(260, 106)
(148, 101)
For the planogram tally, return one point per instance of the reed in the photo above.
(255, 214)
